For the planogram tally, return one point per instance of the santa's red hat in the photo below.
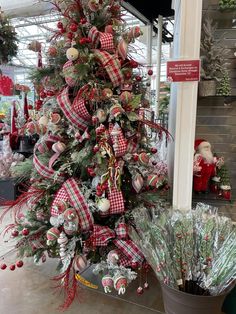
(199, 143)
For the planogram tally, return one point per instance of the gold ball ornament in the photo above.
(72, 54)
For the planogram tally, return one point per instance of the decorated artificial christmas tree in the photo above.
(8, 39)
(96, 159)
(224, 88)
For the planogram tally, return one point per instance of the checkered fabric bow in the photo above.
(105, 39)
(112, 66)
(130, 252)
(70, 193)
(118, 140)
(77, 112)
(116, 201)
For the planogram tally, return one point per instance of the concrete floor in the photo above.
(29, 290)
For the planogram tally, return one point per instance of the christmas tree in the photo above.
(224, 88)
(96, 159)
(8, 39)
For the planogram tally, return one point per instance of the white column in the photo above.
(183, 104)
(158, 77)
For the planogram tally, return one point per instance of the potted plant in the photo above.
(193, 254)
(212, 59)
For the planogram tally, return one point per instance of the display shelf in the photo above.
(150, 300)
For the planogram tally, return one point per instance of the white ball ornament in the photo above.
(103, 205)
(72, 54)
(43, 121)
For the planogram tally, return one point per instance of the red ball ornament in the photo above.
(25, 232)
(60, 25)
(19, 264)
(63, 30)
(83, 40)
(133, 64)
(140, 290)
(12, 267)
(73, 27)
(70, 35)
(135, 157)
(138, 78)
(15, 233)
(95, 149)
(3, 266)
(150, 72)
(104, 186)
(43, 95)
(50, 93)
(99, 193)
(30, 107)
(83, 21)
(153, 150)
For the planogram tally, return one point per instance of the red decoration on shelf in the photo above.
(3, 266)
(6, 86)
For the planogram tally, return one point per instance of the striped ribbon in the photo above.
(41, 168)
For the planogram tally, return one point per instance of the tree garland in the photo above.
(8, 40)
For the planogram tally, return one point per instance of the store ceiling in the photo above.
(152, 9)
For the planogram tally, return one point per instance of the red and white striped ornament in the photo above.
(53, 234)
(80, 263)
(137, 182)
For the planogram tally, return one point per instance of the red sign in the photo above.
(183, 71)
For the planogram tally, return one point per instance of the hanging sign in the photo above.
(183, 70)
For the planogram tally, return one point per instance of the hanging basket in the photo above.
(207, 88)
(178, 302)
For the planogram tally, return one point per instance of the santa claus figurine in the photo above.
(204, 165)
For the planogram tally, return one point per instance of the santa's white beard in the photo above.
(207, 155)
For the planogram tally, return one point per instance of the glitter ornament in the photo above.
(144, 158)
(19, 264)
(107, 283)
(103, 205)
(71, 222)
(80, 263)
(140, 290)
(72, 54)
(12, 267)
(137, 183)
(53, 234)
(3, 266)
(25, 232)
(43, 121)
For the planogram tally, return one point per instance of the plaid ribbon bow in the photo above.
(77, 112)
(105, 39)
(70, 193)
(111, 65)
(103, 234)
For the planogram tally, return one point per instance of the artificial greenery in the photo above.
(224, 88)
(8, 40)
(213, 55)
(227, 4)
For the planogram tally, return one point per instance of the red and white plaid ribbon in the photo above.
(105, 39)
(77, 112)
(111, 65)
(103, 234)
(70, 192)
(132, 147)
(116, 201)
